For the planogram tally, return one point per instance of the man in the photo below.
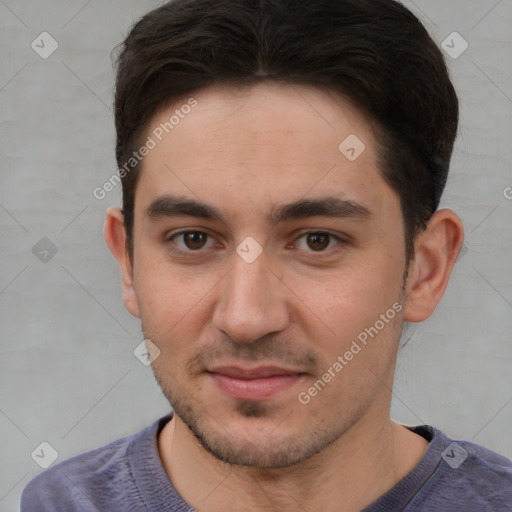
(282, 164)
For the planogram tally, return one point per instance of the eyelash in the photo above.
(328, 252)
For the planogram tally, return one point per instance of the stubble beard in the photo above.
(273, 452)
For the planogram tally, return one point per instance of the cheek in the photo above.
(350, 298)
(347, 307)
(172, 302)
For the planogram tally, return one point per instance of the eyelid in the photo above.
(341, 240)
(169, 237)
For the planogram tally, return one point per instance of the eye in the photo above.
(192, 240)
(317, 242)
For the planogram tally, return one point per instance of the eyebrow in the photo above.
(329, 206)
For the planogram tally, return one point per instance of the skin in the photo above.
(245, 152)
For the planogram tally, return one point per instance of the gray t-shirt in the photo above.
(127, 476)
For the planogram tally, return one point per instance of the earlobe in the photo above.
(115, 236)
(436, 251)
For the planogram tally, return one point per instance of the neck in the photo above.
(349, 475)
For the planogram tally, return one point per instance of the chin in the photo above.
(254, 437)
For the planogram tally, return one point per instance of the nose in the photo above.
(252, 302)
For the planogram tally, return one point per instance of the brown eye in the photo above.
(318, 241)
(195, 240)
(190, 241)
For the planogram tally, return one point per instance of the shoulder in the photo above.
(481, 466)
(470, 476)
(99, 479)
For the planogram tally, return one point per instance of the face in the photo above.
(268, 270)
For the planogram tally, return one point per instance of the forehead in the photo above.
(264, 145)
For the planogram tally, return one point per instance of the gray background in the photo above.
(68, 375)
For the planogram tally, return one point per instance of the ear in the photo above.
(436, 251)
(115, 236)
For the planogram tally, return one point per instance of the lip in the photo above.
(256, 384)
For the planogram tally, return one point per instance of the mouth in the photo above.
(256, 384)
